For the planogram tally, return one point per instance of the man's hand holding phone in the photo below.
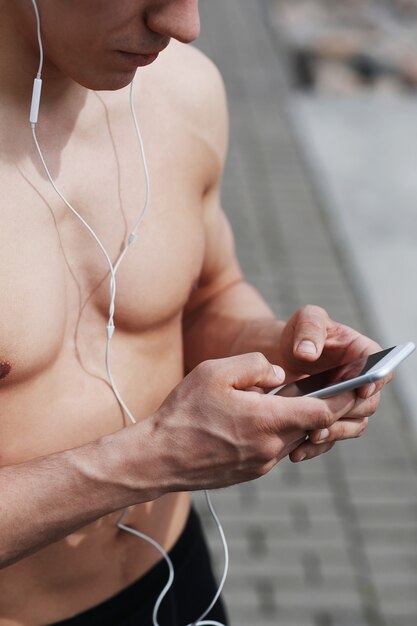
(311, 342)
(216, 430)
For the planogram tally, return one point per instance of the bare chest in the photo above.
(54, 276)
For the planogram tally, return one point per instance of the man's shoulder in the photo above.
(191, 71)
(194, 88)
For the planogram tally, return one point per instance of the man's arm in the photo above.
(227, 316)
(45, 499)
(209, 433)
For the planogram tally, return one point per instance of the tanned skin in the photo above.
(67, 464)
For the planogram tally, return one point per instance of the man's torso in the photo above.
(55, 298)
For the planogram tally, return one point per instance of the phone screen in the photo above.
(332, 377)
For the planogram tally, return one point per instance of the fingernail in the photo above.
(323, 435)
(307, 347)
(302, 457)
(371, 390)
(279, 372)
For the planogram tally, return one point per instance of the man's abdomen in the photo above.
(88, 566)
(65, 406)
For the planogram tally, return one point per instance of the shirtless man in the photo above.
(67, 464)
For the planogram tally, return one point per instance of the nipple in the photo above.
(5, 368)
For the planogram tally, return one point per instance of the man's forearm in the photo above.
(235, 321)
(45, 499)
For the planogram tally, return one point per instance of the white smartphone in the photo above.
(349, 376)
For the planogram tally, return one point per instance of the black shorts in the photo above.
(192, 592)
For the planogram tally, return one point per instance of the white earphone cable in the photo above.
(36, 96)
(39, 36)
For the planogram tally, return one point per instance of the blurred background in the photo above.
(338, 46)
(352, 69)
(320, 187)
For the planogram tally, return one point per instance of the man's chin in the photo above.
(111, 82)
